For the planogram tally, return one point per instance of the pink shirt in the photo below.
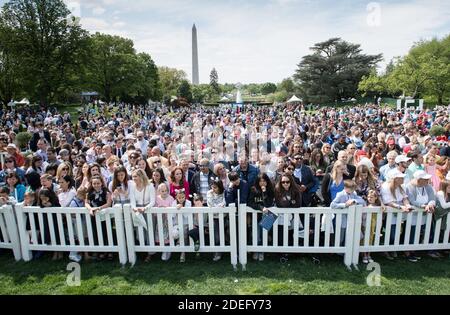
(435, 180)
(174, 187)
(165, 203)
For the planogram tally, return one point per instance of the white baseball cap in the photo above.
(420, 174)
(395, 173)
(401, 158)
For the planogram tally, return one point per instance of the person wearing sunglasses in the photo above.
(287, 195)
(10, 167)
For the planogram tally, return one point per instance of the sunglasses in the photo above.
(283, 182)
(159, 161)
(9, 161)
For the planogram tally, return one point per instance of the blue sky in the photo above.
(261, 40)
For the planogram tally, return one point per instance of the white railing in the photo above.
(316, 233)
(157, 236)
(9, 236)
(302, 230)
(378, 231)
(71, 229)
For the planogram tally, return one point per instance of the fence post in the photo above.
(120, 233)
(357, 235)
(11, 230)
(242, 211)
(233, 241)
(349, 236)
(22, 227)
(129, 232)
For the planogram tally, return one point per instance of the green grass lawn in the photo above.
(202, 276)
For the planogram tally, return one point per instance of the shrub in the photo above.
(22, 139)
(437, 131)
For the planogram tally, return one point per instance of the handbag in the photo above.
(138, 218)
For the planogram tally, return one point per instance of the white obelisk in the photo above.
(195, 75)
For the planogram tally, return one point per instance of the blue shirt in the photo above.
(334, 190)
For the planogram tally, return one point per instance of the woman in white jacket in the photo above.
(142, 195)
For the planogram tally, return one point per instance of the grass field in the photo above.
(201, 276)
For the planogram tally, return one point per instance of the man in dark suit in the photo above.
(119, 149)
(40, 133)
(305, 176)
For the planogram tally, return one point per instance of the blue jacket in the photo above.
(231, 194)
(18, 193)
(253, 172)
(308, 181)
(20, 172)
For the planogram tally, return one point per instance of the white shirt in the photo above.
(66, 197)
(147, 196)
(387, 197)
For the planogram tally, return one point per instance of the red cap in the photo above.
(406, 149)
(361, 153)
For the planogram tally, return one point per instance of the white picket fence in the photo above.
(374, 232)
(313, 240)
(71, 229)
(9, 236)
(159, 235)
(303, 230)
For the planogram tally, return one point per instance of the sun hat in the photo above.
(421, 174)
(401, 158)
(395, 173)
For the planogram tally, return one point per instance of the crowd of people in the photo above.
(285, 157)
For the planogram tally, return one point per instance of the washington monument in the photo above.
(195, 76)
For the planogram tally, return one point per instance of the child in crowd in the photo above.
(78, 202)
(182, 202)
(346, 199)
(216, 198)
(373, 201)
(164, 200)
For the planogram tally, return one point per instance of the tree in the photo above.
(170, 80)
(114, 66)
(268, 88)
(184, 91)
(147, 83)
(10, 79)
(214, 81)
(200, 93)
(47, 42)
(334, 70)
(287, 85)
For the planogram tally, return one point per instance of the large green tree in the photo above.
(184, 90)
(214, 81)
(334, 70)
(48, 43)
(114, 65)
(10, 78)
(170, 81)
(423, 73)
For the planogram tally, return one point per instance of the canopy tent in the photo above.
(24, 101)
(224, 99)
(295, 99)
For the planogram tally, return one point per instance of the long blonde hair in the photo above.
(334, 171)
(141, 173)
(60, 169)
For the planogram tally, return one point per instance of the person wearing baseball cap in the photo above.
(421, 195)
(18, 158)
(394, 196)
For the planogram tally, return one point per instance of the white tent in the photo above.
(295, 99)
(24, 102)
(224, 99)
